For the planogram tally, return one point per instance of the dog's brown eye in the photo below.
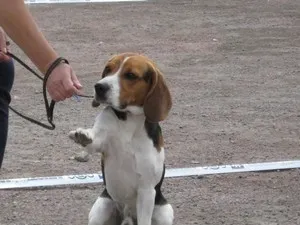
(106, 71)
(130, 76)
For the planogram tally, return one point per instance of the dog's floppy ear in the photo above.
(158, 101)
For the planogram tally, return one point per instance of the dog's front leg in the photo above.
(91, 138)
(145, 205)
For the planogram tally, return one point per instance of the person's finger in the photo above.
(78, 92)
(56, 96)
(59, 83)
(3, 47)
(2, 41)
(56, 92)
(3, 57)
(68, 87)
(75, 80)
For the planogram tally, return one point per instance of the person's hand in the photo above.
(63, 83)
(3, 47)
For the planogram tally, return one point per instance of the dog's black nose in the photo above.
(101, 89)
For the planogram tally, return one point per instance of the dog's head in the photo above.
(132, 83)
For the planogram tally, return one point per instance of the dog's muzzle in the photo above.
(101, 91)
(100, 94)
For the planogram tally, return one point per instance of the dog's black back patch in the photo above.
(154, 133)
(159, 198)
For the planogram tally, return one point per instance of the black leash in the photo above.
(49, 107)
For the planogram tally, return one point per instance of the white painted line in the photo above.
(50, 181)
(177, 172)
(233, 168)
(76, 1)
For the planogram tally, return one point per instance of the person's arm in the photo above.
(20, 26)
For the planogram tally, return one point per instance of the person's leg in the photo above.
(6, 82)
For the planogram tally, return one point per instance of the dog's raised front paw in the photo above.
(81, 136)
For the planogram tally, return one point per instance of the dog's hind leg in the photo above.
(104, 212)
(128, 221)
(163, 215)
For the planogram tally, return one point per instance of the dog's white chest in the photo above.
(121, 177)
(131, 162)
(128, 166)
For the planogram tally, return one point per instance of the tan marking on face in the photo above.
(140, 84)
(114, 63)
(134, 83)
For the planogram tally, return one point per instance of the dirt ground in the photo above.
(233, 69)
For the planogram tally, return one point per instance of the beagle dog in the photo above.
(128, 135)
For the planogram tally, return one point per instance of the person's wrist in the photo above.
(56, 63)
(48, 62)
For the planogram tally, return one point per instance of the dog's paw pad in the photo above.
(81, 137)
